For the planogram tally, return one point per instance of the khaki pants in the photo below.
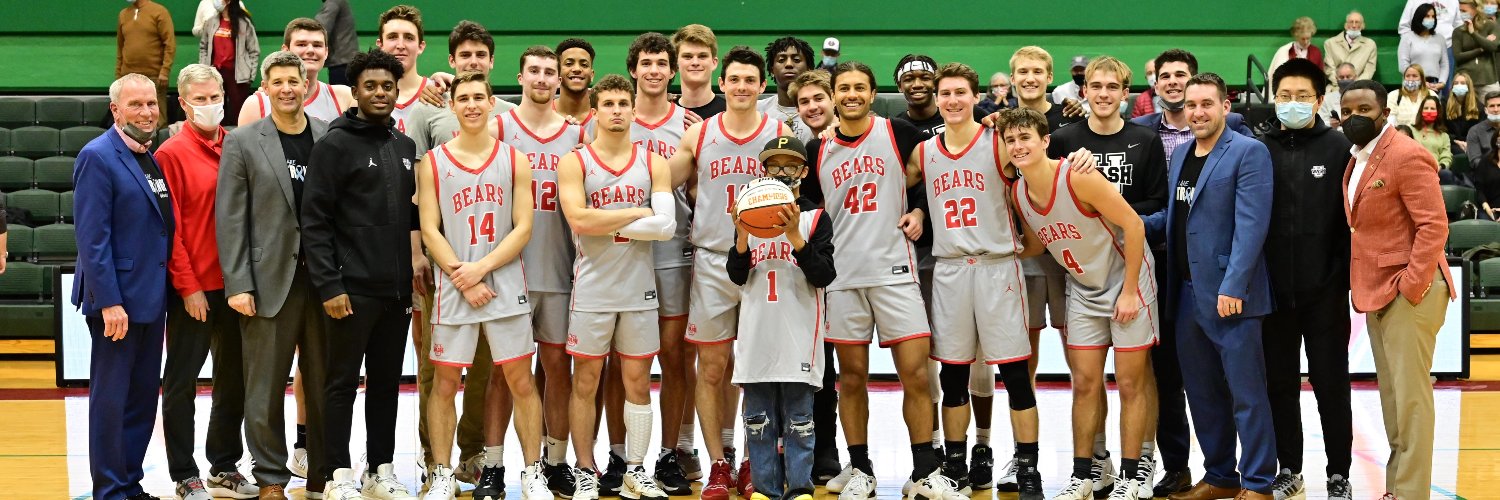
(1402, 336)
(471, 421)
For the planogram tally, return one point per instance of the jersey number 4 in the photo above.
(1070, 262)
(544, 194)
(959, 213)
(486, 228)
(860, 198)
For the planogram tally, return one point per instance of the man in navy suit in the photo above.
(124, 215)
(1215, 228)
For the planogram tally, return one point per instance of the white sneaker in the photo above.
(585, 484)
(467, 472)
(383, 485)
(836, 484)
(1145, 476)
(534, 483)
(297, 463)
(342, 486)
(1007, 480)
(1102, 474)
(860, 487)
(936, 486)
(442, 486)
(192, 489)
(1125, 489)
(1288, 486)
(1077, 489)
(232, 485)
(640, 485)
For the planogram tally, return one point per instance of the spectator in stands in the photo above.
(1350, 47)
(999, 97)
(1477, 142)
(147, 44)
(1173, 69)
(337, 17)
(1301, 46)
(1072, 89)
(830, 54)
(1424, 45)
(1430, 131)
(1474, 49)
(1403, 102)
(125, 220)
(207, 10)
(1405, 130)
(1486, 178)
(227, 42)
(1461, 111)
(1145, 102)
(1444, 21)
(198, 314)
(1329, 111)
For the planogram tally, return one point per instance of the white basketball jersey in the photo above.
(321, 103)
(662, 138)
(782, 319)
(864, 190)
(404, 108)
(1090, 248)
(476, 206)
(549, 254)
(725, 165)
(613, 273)
(967, 197)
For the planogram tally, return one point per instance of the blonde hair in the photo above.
(197, 73)
(1032, 52)
(1466, 107)
(697, 34)
(1111, 65)
(1304, 24)
(815, 77)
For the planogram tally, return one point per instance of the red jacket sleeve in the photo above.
(180, 265)
(1423, 199)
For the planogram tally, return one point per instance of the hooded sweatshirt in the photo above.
(1307, 248)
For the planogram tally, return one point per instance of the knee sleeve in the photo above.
(1018, 385)
(955, 384)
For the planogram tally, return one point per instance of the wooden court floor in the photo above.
(44, 451)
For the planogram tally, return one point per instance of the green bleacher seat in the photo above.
(65, 205)
(54, 173)
(22, 280)
(41, 203)
(55, 242)
(888, 106)
(59, 112)
(4, 141)
(17, 112)
(1484, 314)
(30, 320)
(1460, 164)
(1454, 198)
(19, 242)
(15, 173)
(95, 109)
(35, 142)
(72, 140)
(1466, 234)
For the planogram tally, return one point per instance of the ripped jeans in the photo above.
(780, 410)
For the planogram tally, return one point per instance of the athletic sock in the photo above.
(1028, 449)
(637, 432)
(982, 436)
(494, 455)
(958, 452)
(1148, 451)
(685, 437)
(923, 460)
(1099, 447)
(617, 449)
(1129, 467)
(727, 436)
(859, 458)
(557, 451)
(301, 437)
(1083, 467)
(937, 438)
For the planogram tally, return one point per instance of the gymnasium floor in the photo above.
(44, 454)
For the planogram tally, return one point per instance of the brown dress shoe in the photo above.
(273, 492)
(1205, 491)
(1251, 495)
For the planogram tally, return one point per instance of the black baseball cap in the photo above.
(784, 145)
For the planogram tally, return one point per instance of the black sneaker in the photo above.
(1173, 481)
(491, 485)
(614, 477)
(670, 477)
(826, 466)
(1029, 480)
(559, 479)
(982, 467)
(958, 471)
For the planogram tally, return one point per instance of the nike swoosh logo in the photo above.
(1132, 145)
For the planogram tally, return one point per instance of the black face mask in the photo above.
(1360, 129)
(1344, 85)
(1078, 79)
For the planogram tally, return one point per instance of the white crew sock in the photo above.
(557, 451)
(494, 455)
(618, 449)
(637, 433)
(1099, 449)
(727, 434)
(1148, 450)
(685, 437)
(937, 438)
(982, 436)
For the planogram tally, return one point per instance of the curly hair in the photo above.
(779, 45)
(650, 42)
(374, 59)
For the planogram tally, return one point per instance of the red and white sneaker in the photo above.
(719, 482)
(742, 481)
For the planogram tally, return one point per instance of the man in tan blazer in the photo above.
(1350, 46)
(1398, 276)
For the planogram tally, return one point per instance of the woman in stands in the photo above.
(228, 43)
(1462, 109)
(1486, 177)
(1474, 47)
(1429, 130)
(1423, 45)
(1301, 46)
(1404, 102)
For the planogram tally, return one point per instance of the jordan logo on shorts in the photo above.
(900, 269)
(651, 295)
(521, 299)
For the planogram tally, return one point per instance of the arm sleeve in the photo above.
(1445, 152)
(1155, 180)
(328, 17)
(1252, 220)
(319, 202)
(738, 264)
(231, 219)
(1367, 66)
(180, 266)
(1403, 27)
(1423, 199)
(94, 204)
(816, 257)
(660, 225)
(812, 185)
(1403, 50)
(169, 46)
(205, 11)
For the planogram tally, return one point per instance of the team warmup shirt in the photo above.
(662, 138)
(725, 165)
(614, 273)
(1090, 248)
(782, 321)
(321, 103)
(1131, 158)
(967, 194)
(475, 201)
(863, 185)
(548, 254)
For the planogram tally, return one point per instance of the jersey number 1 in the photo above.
(486, 228)
(771, 278)
(1071, 262)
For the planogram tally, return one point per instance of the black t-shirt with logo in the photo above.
(297, 149)
(1131, 158)
(158, 185)
(1181, 194)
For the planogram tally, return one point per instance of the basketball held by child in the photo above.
(760, 206)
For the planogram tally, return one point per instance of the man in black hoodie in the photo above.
(1307, 253)
(357, 220)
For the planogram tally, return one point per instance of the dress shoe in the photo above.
(1251, 495)
(1205, 491)
(273, 492)
(1173, 481)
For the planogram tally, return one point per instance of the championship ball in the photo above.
(759, 206)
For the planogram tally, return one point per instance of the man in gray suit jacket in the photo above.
(265, 275)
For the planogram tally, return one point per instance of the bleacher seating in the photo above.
(1460, 164)
(19, 242)
(26, 308)
(54, 173)
(4, 141)
(1484, 311)
(59, 112)
(65, 206)
(35, 142)
(95, 109)
(55, 243)
(1454, 198)
(71, 140)
(22, 280)
(17, 112)
(15, 173)
(43, 204)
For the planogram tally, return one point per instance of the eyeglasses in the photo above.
(784, 169)
(1303, 98)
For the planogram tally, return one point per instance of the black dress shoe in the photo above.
(1173, 481)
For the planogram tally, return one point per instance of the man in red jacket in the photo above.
(1398, 276)
(198, 315)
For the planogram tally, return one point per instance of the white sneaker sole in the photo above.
(228, 493)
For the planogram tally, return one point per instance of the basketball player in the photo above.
(781, 282)
(545, 137)
(309, 40)
(1130, 156)
(401, 36)
(575, 59)
(659, 127)
(787, 58)
(698, 57)
(977, 274)
(814, 93)
(1089, 229)
(482, 288)
(470, 48)
(604, 192)
(714, 160)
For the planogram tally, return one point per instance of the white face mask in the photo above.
(208, 116)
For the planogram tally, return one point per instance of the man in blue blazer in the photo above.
(1214, 228)
(124, 215)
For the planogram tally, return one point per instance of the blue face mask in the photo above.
(1460, 90)
(1463, 17)
(1429, 23)
(1295, 115)
(1493, 118)
(1489, 10)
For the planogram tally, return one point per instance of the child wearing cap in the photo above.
(781, 327)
